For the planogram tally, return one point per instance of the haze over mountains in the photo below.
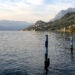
(13, 25)
(63, 12)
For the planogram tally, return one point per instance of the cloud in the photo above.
(32, 10)
(35, 2)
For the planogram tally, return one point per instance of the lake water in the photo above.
(22, 53)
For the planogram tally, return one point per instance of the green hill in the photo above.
(66, 21)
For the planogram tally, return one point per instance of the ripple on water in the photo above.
(22, 53)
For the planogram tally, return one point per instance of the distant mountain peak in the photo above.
(40, 22)
(13, 25)
(63, 12)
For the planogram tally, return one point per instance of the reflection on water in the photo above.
(72, 56)
(22, 53)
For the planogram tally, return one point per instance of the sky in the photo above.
(32, 10)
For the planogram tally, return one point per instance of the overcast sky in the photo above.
(32, 10)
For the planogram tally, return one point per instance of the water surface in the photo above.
(22, 53)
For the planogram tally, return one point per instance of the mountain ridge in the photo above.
(66, 21)
(63, 12)
(13, 25)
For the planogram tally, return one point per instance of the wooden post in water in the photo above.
(46, 63)
(71, 39)
(46, 46)
(71, 43)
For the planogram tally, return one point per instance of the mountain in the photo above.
(13, 25)
(66, 21)
(63, 12)
(39, 24)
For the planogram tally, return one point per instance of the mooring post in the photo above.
(71, 43)
(71, 39)
(46, 46)
(47, 60)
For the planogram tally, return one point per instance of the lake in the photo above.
(22, 53)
